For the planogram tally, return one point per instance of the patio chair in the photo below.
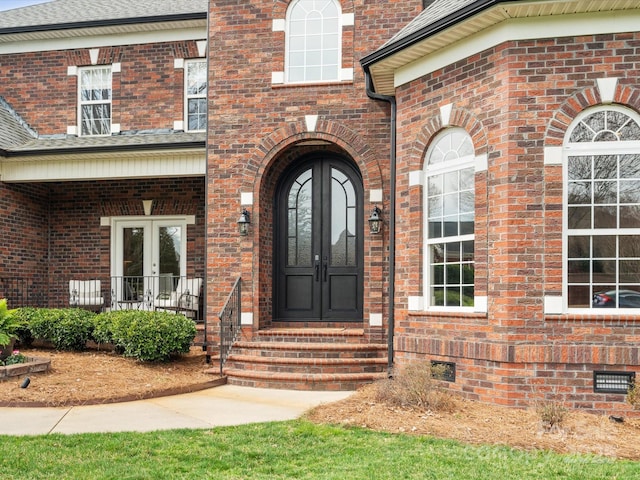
(86, 294)
(184, 299)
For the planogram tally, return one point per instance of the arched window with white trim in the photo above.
(602, 210)
(314, 39)
(449, 197)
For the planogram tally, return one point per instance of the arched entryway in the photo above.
(318, 241)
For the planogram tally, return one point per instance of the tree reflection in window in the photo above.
(343, 220)
(450, 213)
(602, 181)
(299, 221)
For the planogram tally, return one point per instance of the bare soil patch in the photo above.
(481, 424)
(94, 377)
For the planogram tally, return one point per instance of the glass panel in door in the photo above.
(169, 258)
(133, 265)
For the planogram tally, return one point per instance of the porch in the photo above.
(301, 358)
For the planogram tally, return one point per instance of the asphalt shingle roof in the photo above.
(435, 12)
(13, 130)
(131, 140)
(61, 12)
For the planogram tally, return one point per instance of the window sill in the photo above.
(336, 83)
(447, 313)
(608, 316)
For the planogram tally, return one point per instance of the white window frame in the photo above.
(82, 103)
(197, 96)
(588, 149)
(460, 163)
(290, 39)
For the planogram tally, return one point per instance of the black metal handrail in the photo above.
(230, 322)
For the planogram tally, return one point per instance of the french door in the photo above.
(319, 245)
(148, 259)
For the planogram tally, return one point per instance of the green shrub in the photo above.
(147, 336)
(66, 329)
(24, 314)
(103, 327)
(9, 324)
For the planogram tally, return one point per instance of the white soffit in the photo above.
(607, 17)
(518, 29)
(103, 166)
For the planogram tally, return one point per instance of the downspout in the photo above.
(205, 293)
(392, 215)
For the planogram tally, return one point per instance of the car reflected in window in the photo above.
(623, 298)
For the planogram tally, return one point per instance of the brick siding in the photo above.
(254, 125)
(514, 100)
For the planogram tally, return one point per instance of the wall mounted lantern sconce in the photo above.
(375, 222)
(243, 223)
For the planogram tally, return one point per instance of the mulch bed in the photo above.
(97, 377)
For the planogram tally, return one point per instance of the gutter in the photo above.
(103, 23)
(392, 214)
(431, 29)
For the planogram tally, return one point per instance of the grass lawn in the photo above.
(295, 449)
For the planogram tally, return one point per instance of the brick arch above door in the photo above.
(351, 142)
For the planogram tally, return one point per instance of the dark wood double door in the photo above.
(318, 242)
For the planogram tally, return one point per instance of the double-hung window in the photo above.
(602, 210)
(449, 219)
(313, 48)
(196, 95)
(95, 93)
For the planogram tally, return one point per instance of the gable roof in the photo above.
(444, 23)
(67, 14)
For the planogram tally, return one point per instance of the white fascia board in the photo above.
(89, 41)
(520, 29)
(105, 166)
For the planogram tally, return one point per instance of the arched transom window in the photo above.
(449, 220)
(602, 210)
(313, 41)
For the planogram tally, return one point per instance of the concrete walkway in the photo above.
(219, 406)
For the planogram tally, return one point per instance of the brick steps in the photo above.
(301, 381)
(306, 359)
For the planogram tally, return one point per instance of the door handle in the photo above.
(317, 268)
(325, 268)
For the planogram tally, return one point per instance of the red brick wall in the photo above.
(23, 241)
(514, 100)
(253, 125)
(147, 94)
